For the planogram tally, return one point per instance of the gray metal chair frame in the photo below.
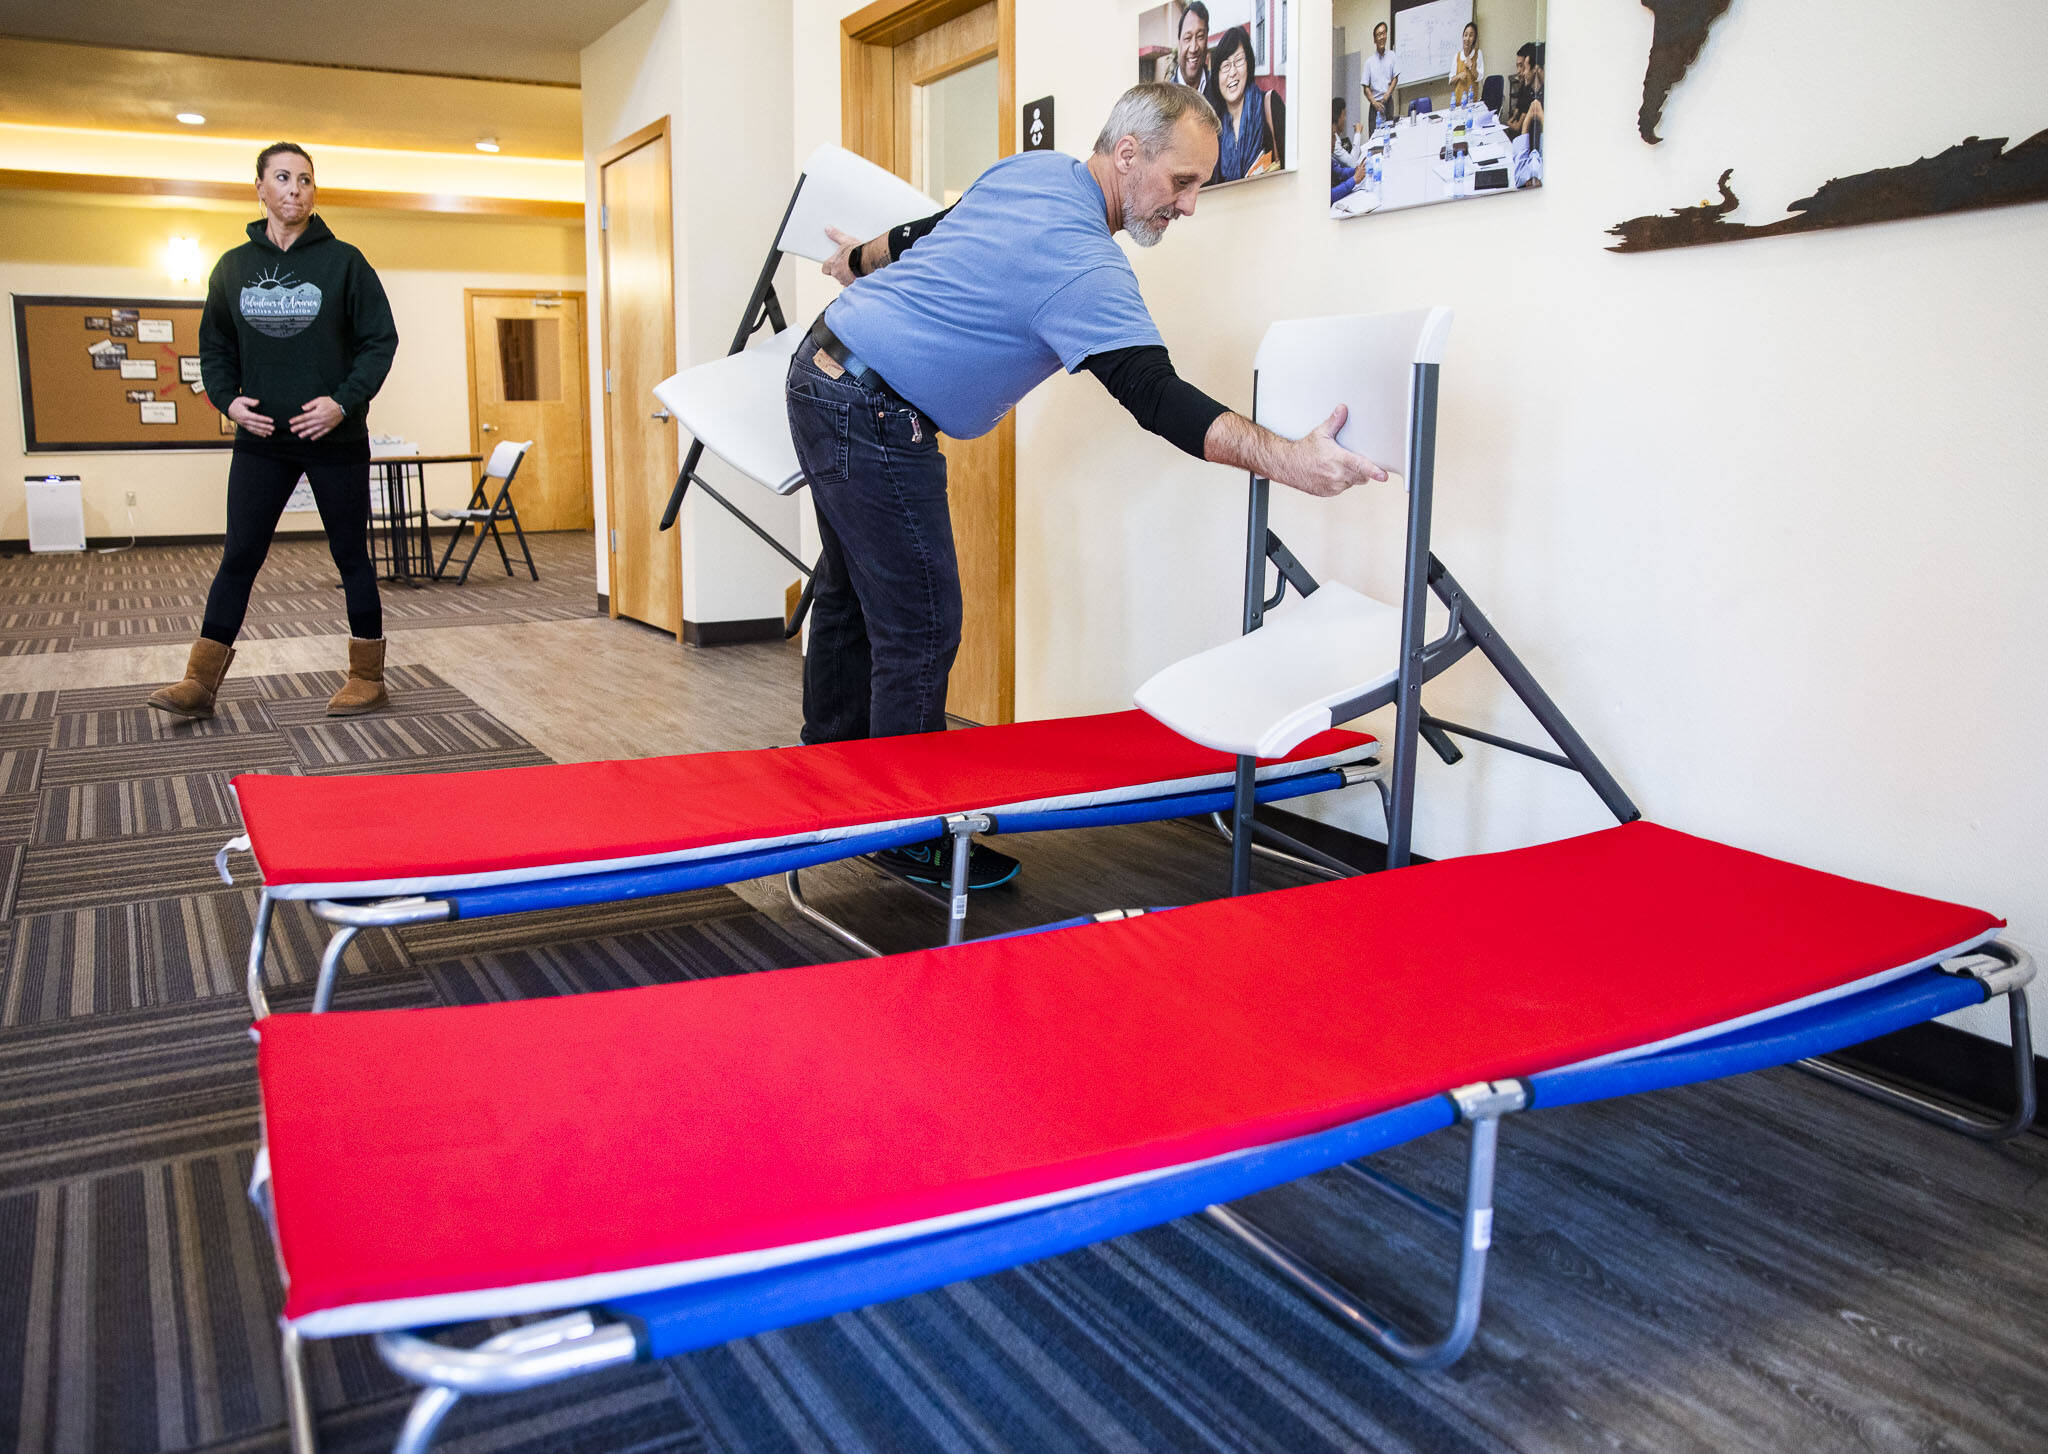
(483, 515)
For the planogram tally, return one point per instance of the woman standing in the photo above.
(1254, 121)
(295, 341)
(1470, 70)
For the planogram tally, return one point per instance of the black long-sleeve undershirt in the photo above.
(1143, 381)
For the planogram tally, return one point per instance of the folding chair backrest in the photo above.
(839, 189)
(1308, 366)
(505, 459)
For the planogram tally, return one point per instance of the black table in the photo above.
(403, 546)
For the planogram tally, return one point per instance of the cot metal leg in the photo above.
(352, 919)
(298, 1403)
(524, 1357)
(330, 967)
(963, 827)
(1328, 869)
(1481, 1105)
(259, 1003)
(795, 889)
(2008, 966)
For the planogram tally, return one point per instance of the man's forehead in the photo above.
(1194, 147)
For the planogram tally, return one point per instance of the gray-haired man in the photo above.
(944, 325)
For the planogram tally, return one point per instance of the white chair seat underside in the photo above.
(735, 405)
(1264, 694)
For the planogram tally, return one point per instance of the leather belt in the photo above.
(823, 340)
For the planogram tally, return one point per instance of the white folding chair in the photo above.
(484, 514)
(1337, 654)
(733, 405)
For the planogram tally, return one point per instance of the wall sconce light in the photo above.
(183, 260)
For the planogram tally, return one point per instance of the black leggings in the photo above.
(258, 487)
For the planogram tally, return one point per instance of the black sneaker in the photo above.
(931, 862)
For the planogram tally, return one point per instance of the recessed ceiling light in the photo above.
(192, 118)
(489, 143)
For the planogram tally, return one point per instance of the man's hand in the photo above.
(1321, 466)
(1315, 464)
(839, 266)
(243, 411)
(319, 417)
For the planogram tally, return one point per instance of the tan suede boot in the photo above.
(364, 689)
(193, 697)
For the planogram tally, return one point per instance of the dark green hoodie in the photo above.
(284, 327)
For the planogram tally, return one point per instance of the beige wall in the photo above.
(53, 245)
(1769, 519)
(720, 73)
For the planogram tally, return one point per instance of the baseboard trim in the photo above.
(732, 633)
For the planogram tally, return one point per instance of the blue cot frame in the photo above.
(679, 1320)
(351, 916)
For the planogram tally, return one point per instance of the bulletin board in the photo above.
(113, 373)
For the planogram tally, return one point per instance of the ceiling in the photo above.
(506, 40)
(47, 84)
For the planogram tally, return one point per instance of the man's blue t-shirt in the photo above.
(1021, 278)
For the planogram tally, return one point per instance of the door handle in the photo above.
(661, 416)
(488, 428)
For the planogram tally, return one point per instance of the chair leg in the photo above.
(512, 511)
(475, 503)
(498, 539)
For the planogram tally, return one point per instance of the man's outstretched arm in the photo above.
(1315, 464)
(1143, 380)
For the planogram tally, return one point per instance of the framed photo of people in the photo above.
(1434, 101)
(1240, 55)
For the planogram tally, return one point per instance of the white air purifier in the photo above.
(56, 514)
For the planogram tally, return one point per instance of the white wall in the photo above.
(1768, 519)
(61, 245)
(720, 73)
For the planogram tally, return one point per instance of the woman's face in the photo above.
(1471, 36)
(1233, 75)
(286, 189)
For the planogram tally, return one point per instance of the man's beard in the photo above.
(1147, 228)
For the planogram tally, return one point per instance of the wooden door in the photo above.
(639, 352)
(902, 57)
(527, 381)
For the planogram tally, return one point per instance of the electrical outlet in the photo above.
(131, 499)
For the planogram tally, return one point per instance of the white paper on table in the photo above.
(301, 498)
(164, 411)
(152, 330)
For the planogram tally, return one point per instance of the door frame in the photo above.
(657, 130)
(476, 437)
(867, 40)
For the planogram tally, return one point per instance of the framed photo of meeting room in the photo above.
(1434, 101)
(1240, 55)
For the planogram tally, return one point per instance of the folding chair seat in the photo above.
(484, 514)
(733, 405)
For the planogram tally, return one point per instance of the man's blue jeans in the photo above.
(885, 602)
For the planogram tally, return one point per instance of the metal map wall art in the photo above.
(1976, 172)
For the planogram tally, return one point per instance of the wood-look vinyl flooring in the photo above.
(1762, 1264)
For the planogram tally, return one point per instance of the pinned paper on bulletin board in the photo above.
(94, 398)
